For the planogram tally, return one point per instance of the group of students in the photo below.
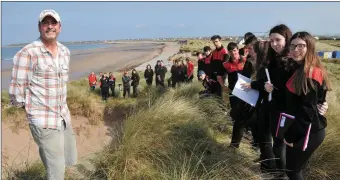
(296, 85)
(108, 82)
(181, 71)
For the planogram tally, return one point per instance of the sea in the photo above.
(7, 53)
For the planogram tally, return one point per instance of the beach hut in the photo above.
(327, 55)
(320, 54)
(336, 54)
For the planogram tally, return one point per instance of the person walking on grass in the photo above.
(92, 81)
(148, 75)
(126, 84)
(112, 83)
(105, 87)
(39, 85)
(135, 82)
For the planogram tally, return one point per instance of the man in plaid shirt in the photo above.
(38, 84)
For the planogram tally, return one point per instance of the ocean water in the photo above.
(7, 53)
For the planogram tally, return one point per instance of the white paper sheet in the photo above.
(251, 96)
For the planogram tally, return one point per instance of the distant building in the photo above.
(316, 38)
(183, 42)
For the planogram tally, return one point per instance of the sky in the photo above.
(130, 20)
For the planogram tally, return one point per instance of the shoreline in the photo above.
(111, 59)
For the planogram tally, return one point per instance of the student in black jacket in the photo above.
(280, 70)
(210, 85)
(218, 57)
(259, 51)
(160, 73)
(135, 82)
(240, 111)
(148, 75)
(157, 77)
(176, 72)
(105, 87)
(305, 89)
(112, 83)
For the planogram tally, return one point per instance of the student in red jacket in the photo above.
(92, 81)
(190, 70)
(219, 56)
(305, 89)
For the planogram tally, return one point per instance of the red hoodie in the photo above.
(190, 68)
(92, 79)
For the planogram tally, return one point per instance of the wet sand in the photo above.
(112, 59)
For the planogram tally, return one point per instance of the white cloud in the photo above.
(141, 25)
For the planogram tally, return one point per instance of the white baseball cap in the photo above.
(49, 12)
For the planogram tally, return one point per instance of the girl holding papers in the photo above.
(305, 89)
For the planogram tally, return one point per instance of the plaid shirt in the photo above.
(40, 86)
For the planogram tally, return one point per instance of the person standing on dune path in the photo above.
(39, 85)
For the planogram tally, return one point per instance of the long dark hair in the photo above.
(311, 60)
(261, 49)
(284, 31)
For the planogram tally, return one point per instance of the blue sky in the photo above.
(120, 20)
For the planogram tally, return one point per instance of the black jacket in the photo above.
(200, 65)
(135, 79)
(161, 71)
(279, 76)
(176, 73)
(304, 107)
(232, 74)
(216, 65)
(104, 82)
(148, 75)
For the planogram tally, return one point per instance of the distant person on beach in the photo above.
(126, 84)
(190, 70)
(160, 74)
(306, 89)
(112, 83)
(135, 82)
(207, 59)
(39, 85)
(157, 77)
(219, 56)
(105, 87)
(148, 75)
(200, 63)
(92, 81)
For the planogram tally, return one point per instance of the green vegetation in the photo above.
(173, 134)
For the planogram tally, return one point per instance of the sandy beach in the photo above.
(117, 57)
(19, 147)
